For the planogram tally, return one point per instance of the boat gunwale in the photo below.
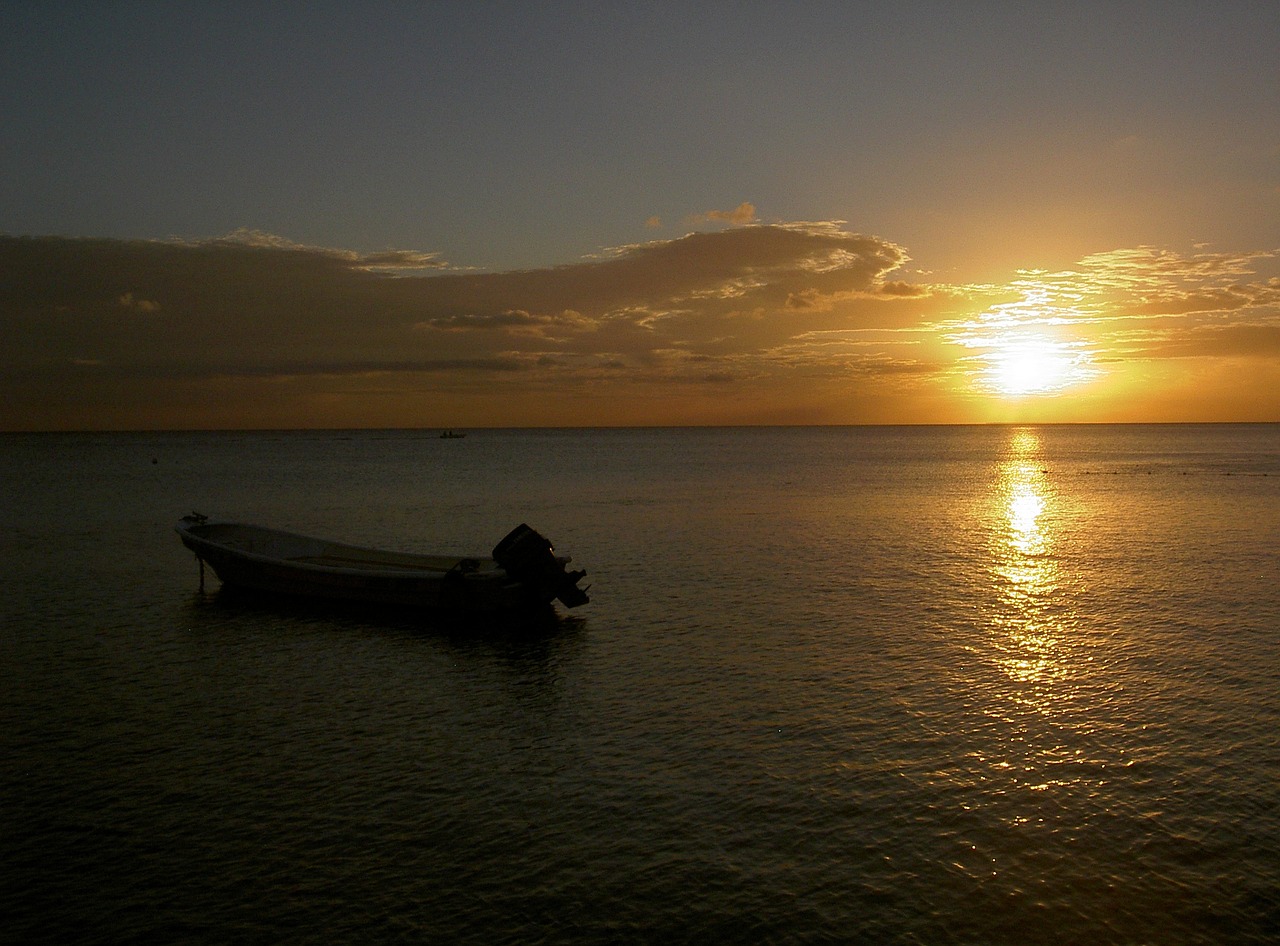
(424, 569)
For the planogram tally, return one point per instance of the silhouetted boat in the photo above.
(451, 435)
(523, 572)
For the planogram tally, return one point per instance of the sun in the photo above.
(1028, 369)
(1017, 368)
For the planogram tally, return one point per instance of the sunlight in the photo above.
(1029, 368)
(1035, 366)
(1038, 345)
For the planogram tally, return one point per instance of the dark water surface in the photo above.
(848, 685)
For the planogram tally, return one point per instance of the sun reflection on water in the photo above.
(1025, 507)
(1040, 756)
(1031, 645)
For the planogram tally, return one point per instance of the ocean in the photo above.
(988, 685)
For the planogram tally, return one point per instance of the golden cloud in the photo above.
(740, 216)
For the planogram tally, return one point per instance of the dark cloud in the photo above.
(251, 305)
(903, 289)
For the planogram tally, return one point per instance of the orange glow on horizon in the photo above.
(742, 326)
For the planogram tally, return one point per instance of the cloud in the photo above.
(787, 320)
(383, 261)
(1237, 340)
(127, 301)
(1151, 269)
(903, 289)
(740, 216)
(513, 322)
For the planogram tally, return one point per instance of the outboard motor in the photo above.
(528, 557)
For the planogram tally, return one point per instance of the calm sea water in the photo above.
(859, 685)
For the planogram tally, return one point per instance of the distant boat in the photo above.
(451, 435)
(522, 573)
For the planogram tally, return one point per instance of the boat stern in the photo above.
(529, 558)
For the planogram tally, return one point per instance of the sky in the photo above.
(241, 215)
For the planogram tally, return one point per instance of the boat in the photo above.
(522, 573)
(451, 435)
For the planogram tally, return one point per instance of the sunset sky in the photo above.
(455, 215)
